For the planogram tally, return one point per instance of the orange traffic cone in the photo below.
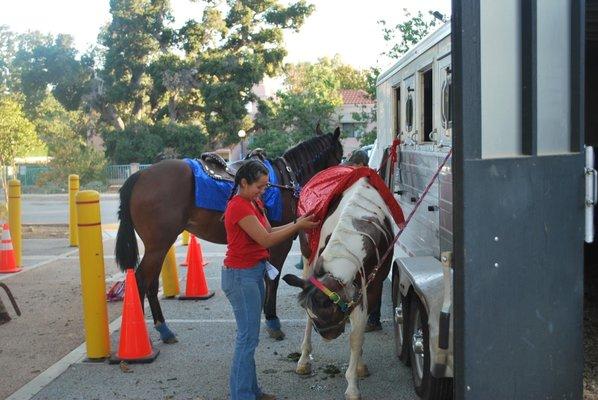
(7, 254)
(135, 345)
(190, 246)
(197, 287)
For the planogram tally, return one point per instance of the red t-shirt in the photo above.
(242, 251)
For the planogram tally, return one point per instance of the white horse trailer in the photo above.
(414, 105)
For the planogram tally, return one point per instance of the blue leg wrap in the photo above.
(165, 332)
(273, 324)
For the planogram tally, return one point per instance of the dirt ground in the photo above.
(45, 231)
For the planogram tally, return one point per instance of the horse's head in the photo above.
(335, 154)
(326, 300)
(315, 154)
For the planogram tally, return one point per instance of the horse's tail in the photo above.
(126, 251)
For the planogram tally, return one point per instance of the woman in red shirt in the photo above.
(249, 235)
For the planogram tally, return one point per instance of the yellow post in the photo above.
(14, 218)
(93, 286)
(73, 189)
(170, 275)
(185, 238)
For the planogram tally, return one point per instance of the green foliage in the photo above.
(312, 96)
(56, 126)
(74, 158)
(409, 32)
(63, 132)
(137, 32)
(145, 143)
(18, 134)
(42, 61)
(274, 142)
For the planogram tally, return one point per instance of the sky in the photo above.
(345, 27)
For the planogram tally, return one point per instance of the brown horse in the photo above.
(159, 203)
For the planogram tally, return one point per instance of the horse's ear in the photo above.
(337, 132)
(318, 129)
(294, 280)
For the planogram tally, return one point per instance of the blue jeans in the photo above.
(245, 291)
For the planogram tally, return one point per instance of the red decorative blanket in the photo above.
(326, 185)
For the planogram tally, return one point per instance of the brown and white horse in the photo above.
(355, 234)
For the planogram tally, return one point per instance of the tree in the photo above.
(64, 133)
(409, 32)
(17, 133)
(44, 61)
(312, 96)
(251, 37)
(137, 33)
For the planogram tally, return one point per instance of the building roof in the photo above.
(351, 96)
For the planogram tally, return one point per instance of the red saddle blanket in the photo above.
(327, 185)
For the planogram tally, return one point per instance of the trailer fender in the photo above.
(425, 276)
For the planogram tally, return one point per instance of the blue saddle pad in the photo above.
(213, 194)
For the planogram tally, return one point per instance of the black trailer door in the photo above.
(518, 198)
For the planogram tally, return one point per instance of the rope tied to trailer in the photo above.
(348, 308)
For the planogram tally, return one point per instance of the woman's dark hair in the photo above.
(251, 171)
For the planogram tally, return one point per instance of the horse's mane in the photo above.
(306, 158)
(367, 205)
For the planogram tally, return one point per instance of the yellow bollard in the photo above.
(93, 286)
(73, 189)
(14, 218)
(170, 275)
(185, 238)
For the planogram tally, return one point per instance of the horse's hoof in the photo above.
(170, 340)
(166, 334)
(373, 327)
(352, 397)
(275, 334)
(303, 369)
(363, 371)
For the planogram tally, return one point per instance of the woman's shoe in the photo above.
(266, 396)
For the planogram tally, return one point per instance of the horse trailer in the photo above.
(487, 209)
(414, 106)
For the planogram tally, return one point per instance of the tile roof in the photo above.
(352, 96)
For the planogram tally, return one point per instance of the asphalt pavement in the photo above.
(54, 209)
(197, 366)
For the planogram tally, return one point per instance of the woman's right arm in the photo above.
(252, 226)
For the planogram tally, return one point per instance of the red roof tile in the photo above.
(352, 96)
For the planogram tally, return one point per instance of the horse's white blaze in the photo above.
(344, 254)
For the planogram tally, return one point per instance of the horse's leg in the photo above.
(304, 365)
(356, 366)
(150, 267)
(166, 334)
(278, 256)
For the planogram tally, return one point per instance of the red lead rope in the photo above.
(404, 225)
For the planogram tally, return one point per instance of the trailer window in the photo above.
(409, 110)
(427, 104)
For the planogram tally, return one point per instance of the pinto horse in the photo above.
(159, 203)
(344, 280)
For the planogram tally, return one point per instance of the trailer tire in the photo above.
(399, 309)
(426, 386)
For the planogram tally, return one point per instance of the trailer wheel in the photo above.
(399, 319)
(426, 386)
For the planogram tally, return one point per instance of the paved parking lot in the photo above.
(46, 342)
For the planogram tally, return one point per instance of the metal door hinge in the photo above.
(591, 194)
